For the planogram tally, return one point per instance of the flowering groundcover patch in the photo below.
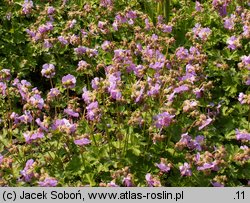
(124, 93)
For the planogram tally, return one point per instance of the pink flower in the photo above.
(242, 135)
(82, 141)
(185, 170)
(3, 88)
(233, 42)
(163, 120)
(27, 173)
(31, 136)
(69, 81)
(48, 182)
(71, 112)
(205, 123)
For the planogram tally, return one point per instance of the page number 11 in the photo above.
(240, 195)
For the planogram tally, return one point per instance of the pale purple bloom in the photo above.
(246, 61)
(106, 3)
(82, 141)
(106, 45)
(1, 159)
(130, 22)
(157, 65)
(74, 39)
(127, 181)
(26, 117)
(198, 6)
(92, 52)
(69, 81)
(202, 33)
(121, 55)
(71, 112)
(140, 95)
(72, 23)
(198, 92)
(185, 169)
(166, 28)
(54, 92)
(45, 28)
(242, 135)
(86, 95)
(171, 97)
(198, 142)
(158, 58)
(23, 88)
(151, 181)
(229, 22)
(64, 125)
(233, 43)
(163, 167)
(14, 116)
(182, 88)
(5, 74)
(16, 82)
(131, 14)
(154, 89)
(30, 136)
(241, 98)
(62, 40)
(246, 31)
(42, 125)
(93, 113)
(217, 184)
(27, 6)
(95, 83)
(47, 44)
(182, 53)
(48, 182)
(220, 6)
(113, 89)
(3, 88)
(82, 64)
(121, 19)
(187, 141)
(205, 123)
(50, 10)
(190, 74)
(213, 166)
(160, 19)
(223, 10)
(115, 25)
(81, 50)
(138, 70)
(84, 33)
(27, 173)
(112, 184)
(163, 120)
(197, 157)
(36, 101)
(101, 24)
(147, 24)
(244, 147)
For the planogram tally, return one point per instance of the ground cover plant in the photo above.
(124, 93)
